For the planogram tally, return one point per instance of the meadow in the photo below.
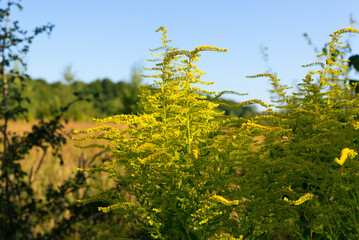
(175, 164)
(50, 169)
(45, 168)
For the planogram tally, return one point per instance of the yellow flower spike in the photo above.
(346, 30)
(345, 153)
(356, 125)
(161, 28)
(226, 236)
(225, 201)
(302, 199)
(203, 221)
(209, 48)
(195, 153)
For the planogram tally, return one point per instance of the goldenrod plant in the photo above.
(178, 160)
(187, 171)
(304, 179)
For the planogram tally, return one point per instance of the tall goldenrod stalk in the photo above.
(174, 154)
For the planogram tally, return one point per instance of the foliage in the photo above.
(23, 213)
(353, 60)
(179, 164)
(14, 42)
(192, 173)
(110, 98)
(304, 181)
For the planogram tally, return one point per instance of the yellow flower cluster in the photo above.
(162, 28)
(262, 75)
(209, 48)
(153, 157)
(145, 147)
(331, 62)
(345, 153)
(226, 236)
(302, 199)
(346, 30)
(97, 129)
(225, 201)
(334, 71)
(195, 153)
(356, 125)
(255, 125)
(116, 206)
(172, 55)
(201, 90)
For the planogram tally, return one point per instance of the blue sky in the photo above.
(107, 38)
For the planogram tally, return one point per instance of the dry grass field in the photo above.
(45, 168)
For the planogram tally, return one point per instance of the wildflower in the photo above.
(226, 236)
(345, 153)
(156, 210)
(195, 153)
(346, 30)
(225, 201)
(356, 125)
(302, 199)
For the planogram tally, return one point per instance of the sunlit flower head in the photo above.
(345, 153)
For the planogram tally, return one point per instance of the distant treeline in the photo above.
(106, 98)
